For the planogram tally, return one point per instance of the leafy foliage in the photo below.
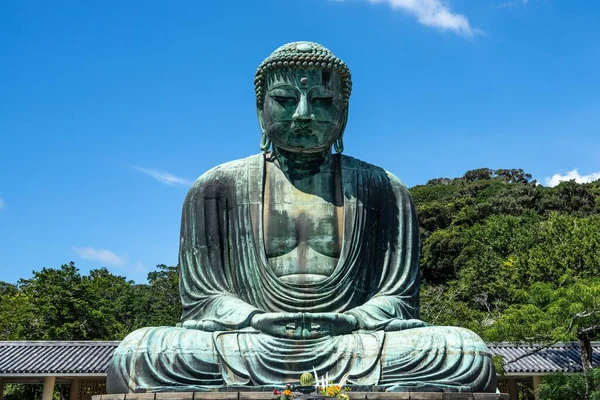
(22, 392)
(571, 386)
(62, 304)
(158, 302)
(510, 259)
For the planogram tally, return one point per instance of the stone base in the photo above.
(269, 396)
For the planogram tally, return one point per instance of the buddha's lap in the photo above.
(171, 342)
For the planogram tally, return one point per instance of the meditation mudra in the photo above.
(298, 258)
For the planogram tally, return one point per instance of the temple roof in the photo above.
(536, 359)
(55, 357)
(92, 358)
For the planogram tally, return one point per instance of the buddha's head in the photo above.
(302, 94)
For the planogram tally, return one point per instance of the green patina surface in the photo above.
(298, 258)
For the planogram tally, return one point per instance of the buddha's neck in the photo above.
(302, 165)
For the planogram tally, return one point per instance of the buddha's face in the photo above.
(303, 111)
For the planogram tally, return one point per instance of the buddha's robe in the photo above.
(225, 279)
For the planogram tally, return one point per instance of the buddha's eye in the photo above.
(284, 99)
(322, 101)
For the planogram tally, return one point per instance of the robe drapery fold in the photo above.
(224, 272)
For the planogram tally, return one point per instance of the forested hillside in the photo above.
(511, 259)
(501, 255)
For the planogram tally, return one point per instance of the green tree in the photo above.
(18, 316)
(513, 175)
(56, 297)
(439, 253)
(478, 174)
(158, 302)
(554, 312)
(570, 386)
(7, 288)
(61, 304)
(109, 310)
(570, 197)
(16, 391)
(551, 313)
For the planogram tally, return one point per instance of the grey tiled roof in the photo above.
(55, 357)
(87, 357)
(561, 357)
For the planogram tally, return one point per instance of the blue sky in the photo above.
(109, 109)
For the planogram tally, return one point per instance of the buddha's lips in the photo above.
(302, 130)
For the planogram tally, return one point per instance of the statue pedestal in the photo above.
(269, 396)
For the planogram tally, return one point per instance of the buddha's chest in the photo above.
(314, 224)
(302, 229)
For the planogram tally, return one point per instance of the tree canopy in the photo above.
(63, 304)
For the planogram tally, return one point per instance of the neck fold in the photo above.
(301, 165)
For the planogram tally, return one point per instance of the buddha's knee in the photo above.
(437, 357)
(163, 339)
(147, 349)
(433, 337)
(446, 343)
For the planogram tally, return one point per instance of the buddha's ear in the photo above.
(343, 124)
(261, 122)
(265, 143)
(338, 144)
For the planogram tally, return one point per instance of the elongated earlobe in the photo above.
(338, 145)
(265, 142)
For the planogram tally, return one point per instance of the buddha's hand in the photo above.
(204, 325)
(404, 324)
(304, 325)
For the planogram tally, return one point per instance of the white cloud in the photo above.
(572, 175)
(99, 255)
(164, 177)
(433, 13)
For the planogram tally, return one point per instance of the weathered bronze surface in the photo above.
(298, 258)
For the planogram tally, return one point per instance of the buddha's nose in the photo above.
(303, 111)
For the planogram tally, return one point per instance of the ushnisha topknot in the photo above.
(306, 55)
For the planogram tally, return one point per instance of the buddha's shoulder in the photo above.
(375, 173)
(226, 175)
